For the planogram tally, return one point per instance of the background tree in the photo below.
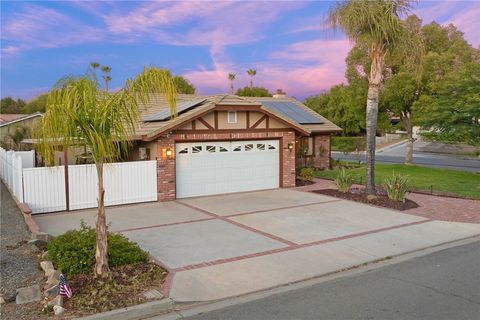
(231, 77)
(79, 112)
(9, 105)
(37, 104)
(378, 27)
(183, 85)
(452, 114)
(253, 92)
(106, 76)
(12, 140)
(252, 73)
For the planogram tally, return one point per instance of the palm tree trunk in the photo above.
(101, 259)
(374, 82)
(231, 86)
(407, 123)
(106, 86)
(251, 83)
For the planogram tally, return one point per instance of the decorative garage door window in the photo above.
(223, 147)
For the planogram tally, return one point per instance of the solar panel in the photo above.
(182, 107)
(292, 111)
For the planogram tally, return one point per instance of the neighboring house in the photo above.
(10, 122)
(226, 143)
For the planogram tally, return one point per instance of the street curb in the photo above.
(141, 311)
(391, 146)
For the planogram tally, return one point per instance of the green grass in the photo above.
(461, 183)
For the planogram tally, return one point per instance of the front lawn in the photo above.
(461, 183)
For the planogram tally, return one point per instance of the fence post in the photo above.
(67, 187)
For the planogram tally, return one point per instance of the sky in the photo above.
(285, 41)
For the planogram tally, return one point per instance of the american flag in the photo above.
(64, 288)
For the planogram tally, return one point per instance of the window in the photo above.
(232, 117)
(237, 148)
(210, 148)
(305, 146)
(183, 151)
(249, 147)
(271, 147)
(222, 149)
(261, 146)
(196, 149)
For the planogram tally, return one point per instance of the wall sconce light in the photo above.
(290, 146)
(169, 153)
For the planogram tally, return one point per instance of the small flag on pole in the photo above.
(64, 289)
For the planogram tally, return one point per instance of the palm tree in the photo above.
(231, 77)
(251, 73)
(377, 25)
(80, 113)
(106, 76)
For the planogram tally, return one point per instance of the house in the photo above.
(226, 143)
(9, 123)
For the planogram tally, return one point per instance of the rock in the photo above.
(54, 278)
(57, 301)
(28, 294)
(52, 291)
(42, 236)
(371, 197)
(58, 310)
(39, 244)
(49, 272)
(46, 265)
(44, 255)
(10, 296)
(2, 301)
(153, 294)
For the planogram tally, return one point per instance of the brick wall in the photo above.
(322, 151)
(166, 167)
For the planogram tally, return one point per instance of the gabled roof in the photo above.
(149, 127)
(8, 119)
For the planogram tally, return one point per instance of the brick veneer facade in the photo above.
(166, 166)
(321, 159)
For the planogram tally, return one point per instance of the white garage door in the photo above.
(205, 168)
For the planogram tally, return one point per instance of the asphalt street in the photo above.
(396, 154)
(441, 285)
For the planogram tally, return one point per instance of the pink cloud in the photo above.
(301, 69)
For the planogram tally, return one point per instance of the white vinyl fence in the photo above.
(43, 189)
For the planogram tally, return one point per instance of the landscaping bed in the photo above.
(124, 287)
(380, 200)
(302, 182)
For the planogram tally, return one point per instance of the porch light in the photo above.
(290, 146)
(169, 153)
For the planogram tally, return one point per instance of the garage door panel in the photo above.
(216, 168)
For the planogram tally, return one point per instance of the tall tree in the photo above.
(377, 25)
(9, 105)
(252, 73)
(80, 112)
(231, 77)
(253, 92)
(183, 85)
(106, 76)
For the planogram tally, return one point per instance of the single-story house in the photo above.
(10, 122)
(225, 143)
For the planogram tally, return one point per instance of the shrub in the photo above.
(344, 180)
(348, 144)
(307, 174)
(74, 251)
(396, 187)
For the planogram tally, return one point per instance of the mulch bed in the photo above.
(124, 287)
(382, 200)
(302, 183)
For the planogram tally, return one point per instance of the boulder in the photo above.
(58, 310)
(44, 255)
(28, 294)
(46, 266)
(54, 278)
(42, 236)
(371, 197)
(57, 301)
(52, 291)
(38, 244)
(2, 301)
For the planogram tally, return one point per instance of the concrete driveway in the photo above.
(222, 246)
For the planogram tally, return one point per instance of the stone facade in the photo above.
(166, 164)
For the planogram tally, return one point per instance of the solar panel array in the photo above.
(292, 111)
(182, 107)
